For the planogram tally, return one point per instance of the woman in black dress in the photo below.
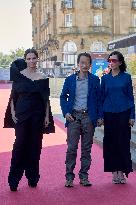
(119, 116)
(29, 113)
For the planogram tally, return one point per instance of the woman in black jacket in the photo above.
(30, 114)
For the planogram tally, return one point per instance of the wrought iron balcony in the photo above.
(69, 30)
(50, 42)
(67, 4)
(133, 4)
(98, 4)
(99, 30)
(132, 30)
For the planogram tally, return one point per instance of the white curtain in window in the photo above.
(98, 19)
(69, 53)
(134, 20)
(69, 3)
(68, 20)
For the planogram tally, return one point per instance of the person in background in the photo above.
(29, 113)
(119, 116)
(80, 104)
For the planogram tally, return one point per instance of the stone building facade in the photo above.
(64, 28)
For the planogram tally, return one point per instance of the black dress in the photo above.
(21, 82)
(30, 100)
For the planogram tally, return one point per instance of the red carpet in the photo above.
(51, 190)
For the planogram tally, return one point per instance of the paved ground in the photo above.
(55, 105)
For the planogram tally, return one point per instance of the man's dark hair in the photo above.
(30, 50)
(86, 55)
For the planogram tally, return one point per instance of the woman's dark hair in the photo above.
(86, 55)
(30, 50)
(120, 56)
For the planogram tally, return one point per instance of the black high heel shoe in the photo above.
(13, 188)
(32, 183)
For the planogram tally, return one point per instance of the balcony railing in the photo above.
(99, 30)
(133, 4)
(98, 4)
(132, 30)
(66, 4)
(69, 30)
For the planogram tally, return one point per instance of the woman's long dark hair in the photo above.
(120, 56)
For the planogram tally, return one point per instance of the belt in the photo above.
(83, 111)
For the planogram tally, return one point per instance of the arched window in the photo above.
(70, 53)
(98, 46)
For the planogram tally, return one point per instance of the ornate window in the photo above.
(69, 53)
(97, 46)
(134, 20)
(67, 4)
(97, 3)
(98, 19)
(134, 4)
(68, 20)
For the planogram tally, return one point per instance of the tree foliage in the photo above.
(132, 64)
(6, 59)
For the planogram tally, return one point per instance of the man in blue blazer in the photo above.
(81, 106)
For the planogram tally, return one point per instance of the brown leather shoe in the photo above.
(69, 183)
(85, 182)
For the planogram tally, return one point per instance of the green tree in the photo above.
(18, 53)
(7, 59)
(132, 64)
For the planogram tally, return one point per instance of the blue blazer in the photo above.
(67, 97)
(117, 93)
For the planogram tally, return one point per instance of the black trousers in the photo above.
(116, 142)
(27, 149)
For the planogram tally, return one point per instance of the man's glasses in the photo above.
(84, 63)
(113, 60)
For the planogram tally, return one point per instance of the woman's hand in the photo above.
(46, 121)
(131, 122)
(14, 118)
(100, 122)
(13, 112)
(69, 117)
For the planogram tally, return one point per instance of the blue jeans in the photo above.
(83, 127)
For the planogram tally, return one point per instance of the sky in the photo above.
(15, 25)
